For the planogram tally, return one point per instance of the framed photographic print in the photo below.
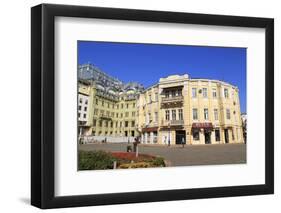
(141, 106)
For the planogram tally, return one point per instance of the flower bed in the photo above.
(91, 160)
(132, 156)
(127, 160)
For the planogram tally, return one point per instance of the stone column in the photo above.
(201, 136)
(222, 135)
(213, 137)
(145, 137)
(151, 137)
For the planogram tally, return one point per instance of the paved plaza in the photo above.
(179, 156)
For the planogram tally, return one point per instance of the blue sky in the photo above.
(146, 63)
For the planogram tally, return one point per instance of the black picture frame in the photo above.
(43, 105)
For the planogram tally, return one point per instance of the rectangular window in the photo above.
(206, 115)
(111, 124)
(94, 122)
(97, 101)
(150, 100)
(180, 92)
(84, 116)
(100, 123)
(194, 92)
(112, 114)
(133, 123)
(127, 106)
(205, 92)
(126, 114)
(156, 116)
(121, 106)
(217, 134)
(195, 114)
(108, 105)
(156, 97)
(228, 114)
(102, 103)
(216, 114)
(173, 114)
(167, 94)
(86, 102)
(80, 100)
(214, 93)
(85, 108)
(133, 114)
(79, 108)
(180, 114)
(226, 93)
(117, 115)
(134, 105)
(126, 123)
(149, 117)
(173, 93)
(195, 134)
(96, 111)
(167, 113)
(106, 123)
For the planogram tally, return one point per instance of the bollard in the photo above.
(137, 151)
(114, 164)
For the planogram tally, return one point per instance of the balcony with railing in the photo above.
(172, 123)
(172, 99)
(105, 116)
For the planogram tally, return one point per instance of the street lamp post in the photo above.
(128, 133)
(169, 127)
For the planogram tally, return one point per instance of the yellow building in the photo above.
(180, 110)
(104, 112)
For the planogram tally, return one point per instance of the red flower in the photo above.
(131, 156)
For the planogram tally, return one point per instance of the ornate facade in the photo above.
(112, 109)
(180, 110)
(175, 110)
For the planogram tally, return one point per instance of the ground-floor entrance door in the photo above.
(180, 137)
(207, 137)
(226, 137)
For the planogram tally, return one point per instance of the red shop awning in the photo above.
(150, 129)
(206, 125)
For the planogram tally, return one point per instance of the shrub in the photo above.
(158, 161)
(89, 160)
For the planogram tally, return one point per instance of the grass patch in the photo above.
(89, 160)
